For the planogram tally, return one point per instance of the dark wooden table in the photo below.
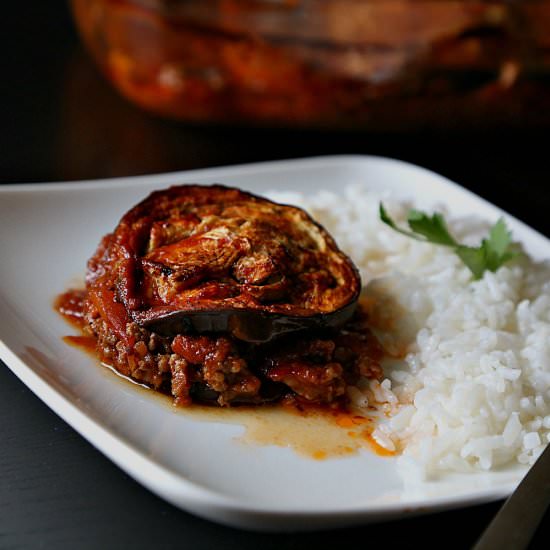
(61, 121)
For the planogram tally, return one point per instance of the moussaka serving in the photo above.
(215, 295)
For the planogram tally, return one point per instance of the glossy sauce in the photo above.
(314, 431)
(318, 434)
(86, 343)
(70, 305)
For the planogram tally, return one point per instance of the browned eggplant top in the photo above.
(217, 258)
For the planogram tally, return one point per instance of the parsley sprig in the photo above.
(492, 253)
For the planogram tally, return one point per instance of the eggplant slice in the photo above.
(205, 259)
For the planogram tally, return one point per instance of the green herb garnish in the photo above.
(493, 252)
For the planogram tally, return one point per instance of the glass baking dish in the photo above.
(380, 64)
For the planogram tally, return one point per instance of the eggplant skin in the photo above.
(195, 258)
(251, 326)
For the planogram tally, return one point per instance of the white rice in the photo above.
(469, 388)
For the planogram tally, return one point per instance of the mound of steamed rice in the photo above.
(467, 386)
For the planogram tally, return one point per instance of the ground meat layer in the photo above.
(220, 369)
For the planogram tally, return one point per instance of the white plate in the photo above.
(48, 231)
